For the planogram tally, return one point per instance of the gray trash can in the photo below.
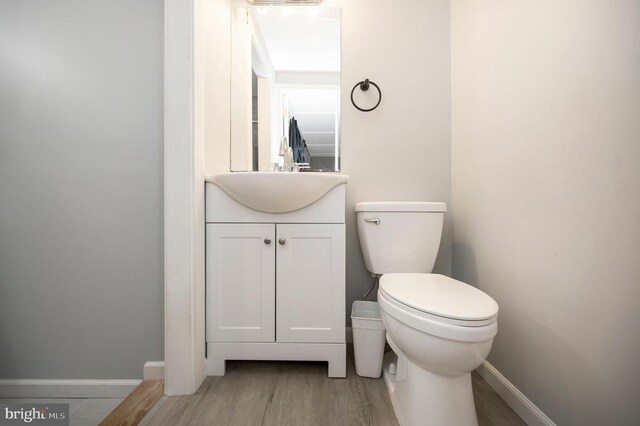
(368, 338)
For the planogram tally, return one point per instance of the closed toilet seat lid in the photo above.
(439, 295)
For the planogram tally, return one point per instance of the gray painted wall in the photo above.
(81, 171)
(546, 195)
(402, 150)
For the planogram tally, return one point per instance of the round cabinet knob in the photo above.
(282, 241)
(267, 241)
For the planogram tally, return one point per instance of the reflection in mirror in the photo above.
(285, 88)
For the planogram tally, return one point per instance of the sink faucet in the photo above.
(297, 167)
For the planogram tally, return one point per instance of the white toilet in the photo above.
(439, 329)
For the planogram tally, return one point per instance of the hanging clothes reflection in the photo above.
(297, 143)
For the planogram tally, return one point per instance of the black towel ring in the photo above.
(364, 86)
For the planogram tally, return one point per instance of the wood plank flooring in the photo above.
(490, 407)
(135, 407)
(291, 393)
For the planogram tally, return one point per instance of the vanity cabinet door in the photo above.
(310, 283)
(240, 282)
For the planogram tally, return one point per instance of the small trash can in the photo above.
(368, 338)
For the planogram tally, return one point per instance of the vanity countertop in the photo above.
(276, 192)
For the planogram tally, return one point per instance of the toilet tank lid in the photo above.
(401, 206)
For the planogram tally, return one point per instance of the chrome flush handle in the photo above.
(373, 220)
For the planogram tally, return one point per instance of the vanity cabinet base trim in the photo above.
(334, 353)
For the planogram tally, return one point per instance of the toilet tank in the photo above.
(400, 236)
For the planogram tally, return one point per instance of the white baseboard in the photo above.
(153, 370)
(33, 388)
(522, 405)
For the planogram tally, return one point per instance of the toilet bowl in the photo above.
(434, 353)
(439, 329)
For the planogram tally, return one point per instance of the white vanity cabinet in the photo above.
(310, 276)
(275, 282)
(241, 282)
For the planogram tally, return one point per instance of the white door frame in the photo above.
(183, 197)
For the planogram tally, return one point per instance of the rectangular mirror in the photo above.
(285, 87)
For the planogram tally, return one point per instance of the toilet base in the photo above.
(423, 398)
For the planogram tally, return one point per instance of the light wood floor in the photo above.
(135, 406)
(291, 393)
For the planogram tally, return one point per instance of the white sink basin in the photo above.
(276, 192)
